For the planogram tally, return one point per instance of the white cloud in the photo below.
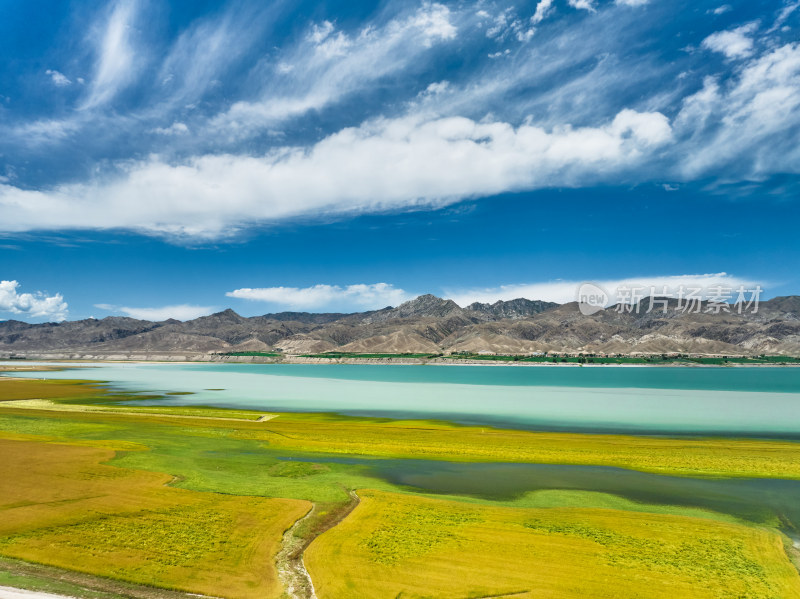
(382, 165)
(32, 305)
(632, 2)
(115, 64)
(176, 128)
(583, 4)
(500, 24)
(205, 52)
(783, 15)
(506, 23)
(745, 124)
(178, 311)
(328, 65)
(320, 32)
(59, 79)
(44, 132)
(567, 291)
(436, 88)
(735, 43)
(435, 23)
(360, 296)
(524, 35)
(543, 8)
(721, 10)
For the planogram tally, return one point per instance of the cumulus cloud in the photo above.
(735, 43)
(360, 296)
(567, 291)
(382, 165)
(178, 311)
(58, 79)
(31, 305)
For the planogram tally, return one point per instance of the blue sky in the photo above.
(173, 159)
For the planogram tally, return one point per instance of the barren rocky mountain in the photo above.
(428, 324)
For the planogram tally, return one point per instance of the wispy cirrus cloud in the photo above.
(326, 65)
(31, 305)
(115, 54)
(355, 297)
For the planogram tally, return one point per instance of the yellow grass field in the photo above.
(400, 546)
(63, 504)
(60, 506)
(432, 440)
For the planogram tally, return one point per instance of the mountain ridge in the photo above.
(429, 324)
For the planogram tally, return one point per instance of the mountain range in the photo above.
(427, 324)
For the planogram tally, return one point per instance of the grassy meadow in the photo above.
(412, 547)
(198, 500)
(64, 507)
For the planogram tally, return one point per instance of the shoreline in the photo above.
(17, 364)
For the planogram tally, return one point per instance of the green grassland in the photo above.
(197, 499)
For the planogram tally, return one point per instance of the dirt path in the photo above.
(289, 560)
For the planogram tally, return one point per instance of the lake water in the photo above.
(760, 401)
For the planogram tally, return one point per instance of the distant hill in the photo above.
(425, 324)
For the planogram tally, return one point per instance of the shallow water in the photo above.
(762, 401)
(757, 500)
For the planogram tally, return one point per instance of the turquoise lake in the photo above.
(760, 401)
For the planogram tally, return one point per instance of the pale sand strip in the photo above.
(46, 404)
(12, 593)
